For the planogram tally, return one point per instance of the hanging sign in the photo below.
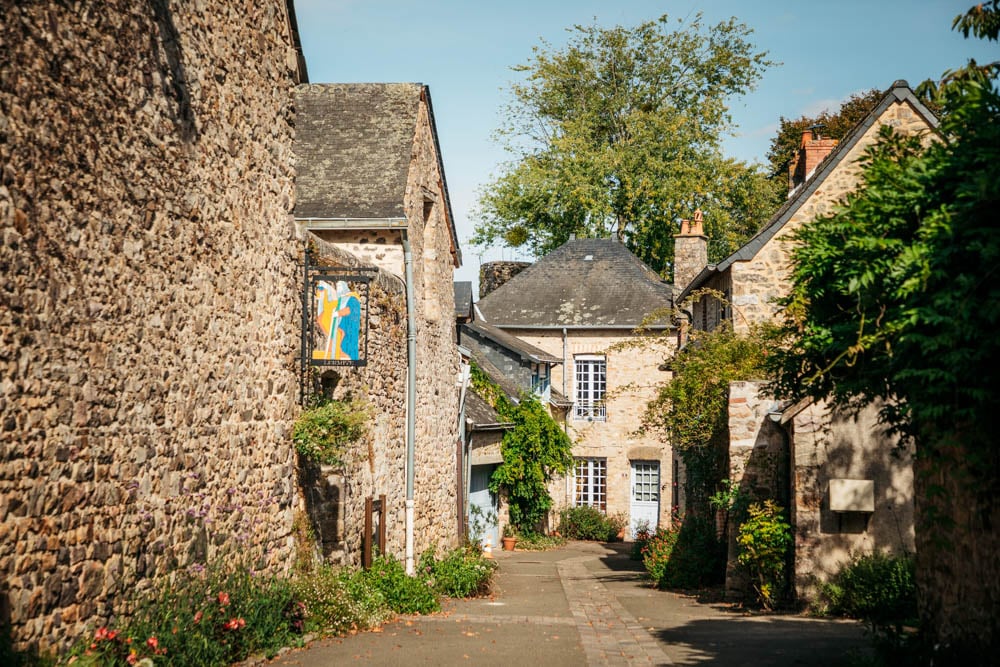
(337, 321)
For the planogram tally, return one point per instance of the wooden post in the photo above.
(366, 538)
(381, 523)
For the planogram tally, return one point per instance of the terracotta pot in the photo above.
(508, 543)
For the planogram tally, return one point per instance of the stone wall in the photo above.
(494, 274)
(632, 378)
(758, 283)
(434, 258)
(829, 444)
(149, 300)
(793, 461)
(377, 465)
(335, 497)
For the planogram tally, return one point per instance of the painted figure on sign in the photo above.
(338, 317)
(348, 323)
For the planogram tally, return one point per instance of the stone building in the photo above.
(849, 487)
(582, 304)
(371, 183)
(149, 322)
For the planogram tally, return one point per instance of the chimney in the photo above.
(690, 251)
(494, 274)
(813, 149)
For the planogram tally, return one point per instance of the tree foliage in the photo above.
(691, 409)
(618, 132)
(534, 451)
(896, 296)
(835, 125)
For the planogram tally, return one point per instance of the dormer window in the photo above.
(541, 381)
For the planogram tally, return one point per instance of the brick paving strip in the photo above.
(483, 618)
(610, 635)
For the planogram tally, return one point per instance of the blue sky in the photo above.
(465, 50)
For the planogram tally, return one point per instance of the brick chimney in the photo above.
(812, 150)
(690, 251)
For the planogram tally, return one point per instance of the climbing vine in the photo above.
(691, 409)
(534, 451)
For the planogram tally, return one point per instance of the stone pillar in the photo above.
(494, 274)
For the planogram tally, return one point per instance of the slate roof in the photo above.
(508, 386)
(585, 283)
(353, 145)
(481, 415)
(900, 91)
(463, 299)
(526, 351)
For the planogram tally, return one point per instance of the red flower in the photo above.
(197, 616)
(132, 657)
(152, 642)
(234, 624)
(223, 599)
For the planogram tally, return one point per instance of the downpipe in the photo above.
(411, 399)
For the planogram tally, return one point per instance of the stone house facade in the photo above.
(582, 304)
(148, 307)
(848, 486)
(370, 182)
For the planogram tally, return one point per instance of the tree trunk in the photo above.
(958, 551)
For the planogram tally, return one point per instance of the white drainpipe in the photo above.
(411, 398)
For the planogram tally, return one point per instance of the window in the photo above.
(591, 483)
(591, 385)
(540, 381)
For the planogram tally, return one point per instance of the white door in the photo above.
(483, 506)
(645, 503)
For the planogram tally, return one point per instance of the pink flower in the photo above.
(132, 657)
(197, 616)
(223, 599)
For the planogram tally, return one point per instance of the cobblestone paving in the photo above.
(609, 633)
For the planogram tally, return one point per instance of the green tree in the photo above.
(835, 125)
(618, 133)
(534, 451)
(896, 297)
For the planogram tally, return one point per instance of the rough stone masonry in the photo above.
(148, 298)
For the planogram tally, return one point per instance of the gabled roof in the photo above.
(463, 299)
(899, 92)
(353, 146)
(585, 283)
(526, 351)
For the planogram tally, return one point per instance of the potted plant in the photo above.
(509, 538)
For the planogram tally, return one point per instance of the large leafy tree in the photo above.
(618, 133)
(897, 297)
(832, 124)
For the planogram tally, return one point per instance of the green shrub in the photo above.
(877, 589)
(764, 539)
(323, 432)
(685, 555)
(403, 594)
(640, 540)
(589, 523)
(462, 573)
(337, 601)
(540, 542)
(213, 618)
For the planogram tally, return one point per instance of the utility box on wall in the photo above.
(852, 495)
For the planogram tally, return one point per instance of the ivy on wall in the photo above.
(691, 409)
(534, 451)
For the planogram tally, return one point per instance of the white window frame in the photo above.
(590, 386)
(591, 483)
